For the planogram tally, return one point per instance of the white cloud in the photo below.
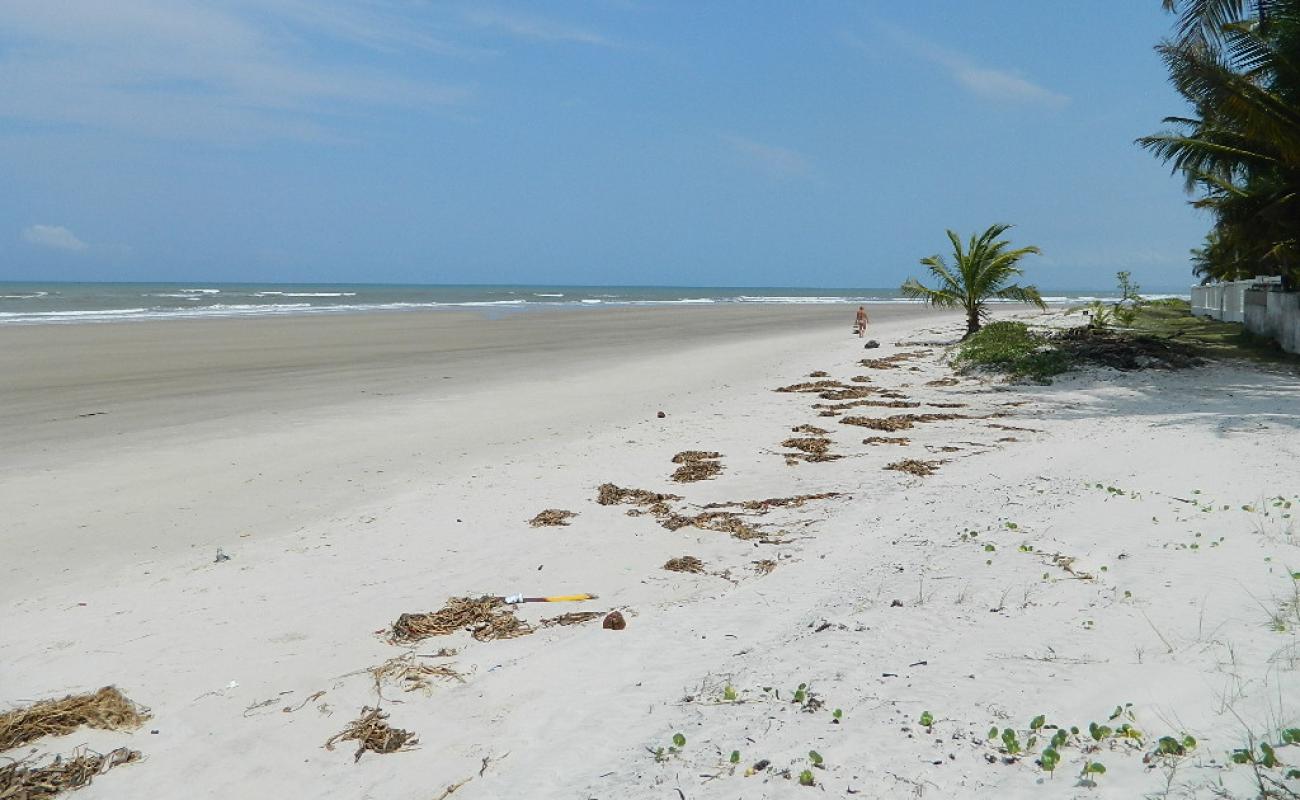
(55, 237)
(530, 27)
(781, 162)
(983, 81)
(232, 72)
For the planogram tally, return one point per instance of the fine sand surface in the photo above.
(1110, 539)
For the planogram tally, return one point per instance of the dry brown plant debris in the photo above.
(946, 405)
(572, 618)
(828, 413)
(763, 506)
(409, 675)
(372, 733)
(684, 564)
(949, 381)
(813, 429)
(898, 422)
(608, 495)
(808, 444)
(484, 616)
(107, 708)
(1013, 428)
(868, 404)
(696, 465)
(851, 393)
(691, 456)
(552, 517)
(818, 374)
(886, 440)
(860, 379)
(812, 386)
(23, 781)
(764, 566)
(914, 467)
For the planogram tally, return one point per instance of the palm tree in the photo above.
(980, 271)
(1241, 146)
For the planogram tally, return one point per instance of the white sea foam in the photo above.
(545, 294)
(592, 302)
(201, 291)
(32, 296)
(304, 294)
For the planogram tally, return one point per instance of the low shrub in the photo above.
(1012, 348)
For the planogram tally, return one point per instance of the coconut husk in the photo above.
(684, 564)
(552, 517)
(914, 467)
(693, 456)
(696, 471)
(23, 781)
(764, 566)
(608, 495)
(107, 708)
(408, 674)
(484, 616)
(949, 381)
(813, 429)
(372, 733)
(899, 422)
(572, 618)
(887, 440)
(808, 444)
(812, 386)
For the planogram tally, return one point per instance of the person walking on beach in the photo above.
(860, 324)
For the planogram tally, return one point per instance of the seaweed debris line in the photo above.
(484, 616)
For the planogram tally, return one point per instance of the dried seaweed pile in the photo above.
(657, 506)
(821, 373)
(372, 733)
(763, 506)
(887, 440)
(812, 386)
(552, 517)
(22, 781)
(818, 445)
(868, 403)
(860, 379)
(696, 465)
(946, 405)
(408, 674)
(914, 467)
(610, 495)
(764, 566)
(813, 429)
(899, 422)
(850, 393)
(684, 564)
(1124, 352)
(572, 618)
(484, 616)
(949, 381)
(107, 708)
(893, 362)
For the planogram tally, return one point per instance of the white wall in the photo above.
(1275, 315)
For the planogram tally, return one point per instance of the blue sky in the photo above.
(599, 142)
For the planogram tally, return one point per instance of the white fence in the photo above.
(1224, 301)
(1258, 304)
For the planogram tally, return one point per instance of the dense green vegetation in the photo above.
(1238, 64)
(1172, 319)
(981, 270)
(1012, 348)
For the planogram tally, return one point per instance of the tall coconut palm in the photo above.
(1240, 149)
(981, 271)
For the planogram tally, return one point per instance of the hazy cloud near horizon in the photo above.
(579, 142)
(55, 237)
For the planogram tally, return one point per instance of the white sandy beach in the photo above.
(1113, 538)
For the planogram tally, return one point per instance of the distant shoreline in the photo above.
(75, 303)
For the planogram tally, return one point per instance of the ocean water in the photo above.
(65, 303)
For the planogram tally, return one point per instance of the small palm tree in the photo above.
(980, 272)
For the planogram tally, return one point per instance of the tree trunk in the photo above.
(972, 321)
